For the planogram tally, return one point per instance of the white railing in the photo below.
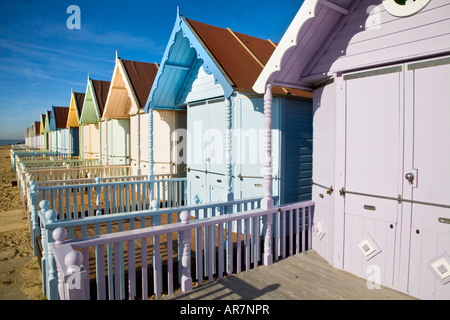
(117, 255)
(97, 225)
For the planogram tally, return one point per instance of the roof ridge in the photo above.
(246, 47)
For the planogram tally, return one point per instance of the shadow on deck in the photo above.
(305, 276)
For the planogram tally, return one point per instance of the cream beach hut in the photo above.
(124, 121)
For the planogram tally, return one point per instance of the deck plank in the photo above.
(305, 276)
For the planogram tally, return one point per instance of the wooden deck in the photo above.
(305, 276)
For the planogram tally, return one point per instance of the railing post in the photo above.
(52, 279)
(186, 279)
(72, 276)
(34, 228)
(267, 201)
(44, 205)
(98, 191)
(268, 256)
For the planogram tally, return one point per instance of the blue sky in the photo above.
(41, 59)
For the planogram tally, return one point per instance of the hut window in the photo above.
(403, 8)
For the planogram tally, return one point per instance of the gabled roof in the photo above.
(42, 126)
(75, 109)
(94, 101)
(58, 118)
(235, 60)
(130, 85)
(331, 37)
(48, 115)
(37, 127)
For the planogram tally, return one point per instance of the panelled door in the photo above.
(206, 152)
(427, 177)
(397, 205)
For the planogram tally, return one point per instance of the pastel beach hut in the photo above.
(209, 72)
(91, 115)
(73, 122)
(381, 155)
(37, 134)
(49, 135)
(42, 133)
(59, 130)
(124, 121)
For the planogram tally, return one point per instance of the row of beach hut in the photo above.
(339, 134)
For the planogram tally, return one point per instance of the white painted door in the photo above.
(206, 152)
(374, 160)
(248, 143)
(398, 148)
(198, 120)
(429, 162)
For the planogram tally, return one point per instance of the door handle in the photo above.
(410, 177)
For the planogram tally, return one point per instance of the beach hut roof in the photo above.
(58, 118)
(42, 126)
(75, 109)
(332, 37)
(235, 60)
(130, 86)
(47, 121)
(94, 101)
(37, 127)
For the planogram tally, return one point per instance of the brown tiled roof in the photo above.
(141, 75)
(101, 89)
(37, 126)
(61, 114)
(79, 99)
(241, 57)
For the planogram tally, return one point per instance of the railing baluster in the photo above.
(247, 244)
(85, 253)
(131, 271)
(89, 189)
(75, 204)
(297, 230)
(100, 272)
(144, 268)
(157, 271)
(291, 233)
(220, 250)
(199, 255)
(283, 234)
(230, 248)
(169, 264)
(238, 246)
(117, 271)
(303, 228)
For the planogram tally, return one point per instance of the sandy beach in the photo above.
(20, 275)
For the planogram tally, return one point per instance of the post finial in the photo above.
(154, 204)
(51, 215)
(73, 260)
(185, 217)
(44, 205)
(59, 235)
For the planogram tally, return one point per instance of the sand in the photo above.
(20, 274)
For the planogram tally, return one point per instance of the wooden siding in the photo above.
(296, 151)
(203, 87)
(371, 37)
